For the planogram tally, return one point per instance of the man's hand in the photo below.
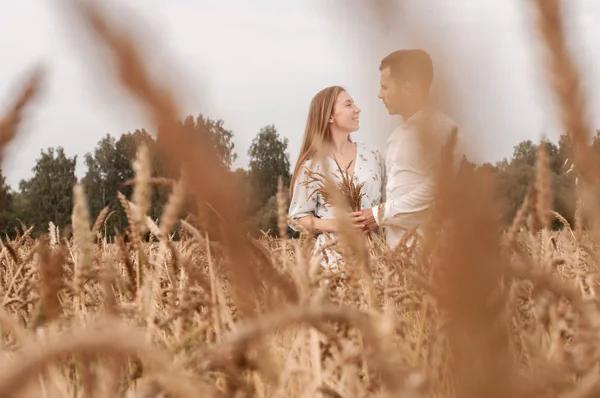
(369, 222)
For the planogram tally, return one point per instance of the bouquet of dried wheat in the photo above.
(350, 190)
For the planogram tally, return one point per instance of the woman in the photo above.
(332, 117)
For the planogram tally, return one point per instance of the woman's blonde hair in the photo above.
(317, 132)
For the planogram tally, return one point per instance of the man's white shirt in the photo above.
(410, 163)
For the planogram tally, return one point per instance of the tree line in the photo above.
(48, 196)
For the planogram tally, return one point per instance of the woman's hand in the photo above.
(358, 219)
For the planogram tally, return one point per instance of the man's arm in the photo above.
(415, 201)
(418, 199)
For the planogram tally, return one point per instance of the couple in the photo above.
(398, 187)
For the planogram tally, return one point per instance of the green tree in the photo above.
(49, 193)
(209, 133)
(16, 211)
(524, 154)
(514, 177)
(9, 216)
(111, 166)
(212, 133)
(102, 181)
(127, 148)
(108, 170)
(220, 138)
(268, 161)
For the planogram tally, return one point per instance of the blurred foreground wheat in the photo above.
(470, 311)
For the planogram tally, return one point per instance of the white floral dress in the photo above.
(368, 169)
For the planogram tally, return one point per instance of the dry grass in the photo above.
(471, 311)
(351, 191)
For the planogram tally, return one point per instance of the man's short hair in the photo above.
(409, 64)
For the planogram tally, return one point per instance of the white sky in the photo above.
(258, 62)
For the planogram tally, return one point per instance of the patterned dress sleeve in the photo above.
(304, 198)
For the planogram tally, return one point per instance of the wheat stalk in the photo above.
(352, 192)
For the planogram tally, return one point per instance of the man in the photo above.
(413, 149)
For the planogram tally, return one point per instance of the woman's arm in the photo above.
(329, 224)
(319, 224)
(302, 210)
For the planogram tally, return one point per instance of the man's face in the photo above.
(396, 96)
(388, 92)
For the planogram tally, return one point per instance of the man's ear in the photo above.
(409, 87)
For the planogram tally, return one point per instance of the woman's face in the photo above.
(345, 114)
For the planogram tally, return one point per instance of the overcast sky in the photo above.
(258, 62)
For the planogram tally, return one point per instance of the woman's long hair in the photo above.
(317, 132)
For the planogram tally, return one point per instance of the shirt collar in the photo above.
(404, 123)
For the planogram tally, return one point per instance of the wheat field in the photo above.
(471, 310)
